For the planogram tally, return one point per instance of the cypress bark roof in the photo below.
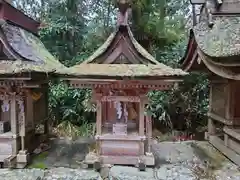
(125, 70)
(122, 56)
(221, 40)
(25, 52)
(146, 65)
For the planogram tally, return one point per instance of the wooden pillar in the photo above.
(99, 117)
(211, 125)
(22, 121)
(13, 114)
(46, 122)
(149, 132)
(141, 117)
(14, 127)
(225, 139)
(29, 111)
(141, 124)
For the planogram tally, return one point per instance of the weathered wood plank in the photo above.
(223, 120)
(232, 132)
(234, 145)
(219, 144)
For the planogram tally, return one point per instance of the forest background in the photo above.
(73, 29)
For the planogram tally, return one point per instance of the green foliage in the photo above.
(69, 104)
(67, 129)
(191, 98)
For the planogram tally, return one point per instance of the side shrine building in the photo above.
(25, 68)
(214, 48)
(121, 73)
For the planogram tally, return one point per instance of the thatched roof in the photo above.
(124, 70)
(25, 51)
(221, 40)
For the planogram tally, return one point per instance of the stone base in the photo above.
(147, 159)
(22, 159)
(10, 162)
(128, 160)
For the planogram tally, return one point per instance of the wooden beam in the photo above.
(114, 80)
(16, 78)
(225, 121)
(120, 98)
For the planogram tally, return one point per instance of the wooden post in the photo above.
(14, 129)
(13, 114)
(141, 124)
(141, 117)
(99, 117)
(149, 132)
(226, 139)
(46, 122)
(29, 111)
(211, 126)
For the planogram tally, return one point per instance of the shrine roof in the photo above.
(221, 40)
(122, 56)
(124, 70)
(102, 49)
(25, 51)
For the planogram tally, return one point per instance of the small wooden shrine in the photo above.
(121, 73)
(25, 66)
(214, 48)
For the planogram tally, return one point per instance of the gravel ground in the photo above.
(175, 161)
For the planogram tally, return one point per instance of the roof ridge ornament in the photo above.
(124, 11)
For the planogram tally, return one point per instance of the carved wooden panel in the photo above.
(219, 97)
(120, 148)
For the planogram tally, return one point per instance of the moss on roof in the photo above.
(28, 52)
(110, 39)
(222, 40)
(123, 70)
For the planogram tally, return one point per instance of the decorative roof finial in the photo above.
(123, 14)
